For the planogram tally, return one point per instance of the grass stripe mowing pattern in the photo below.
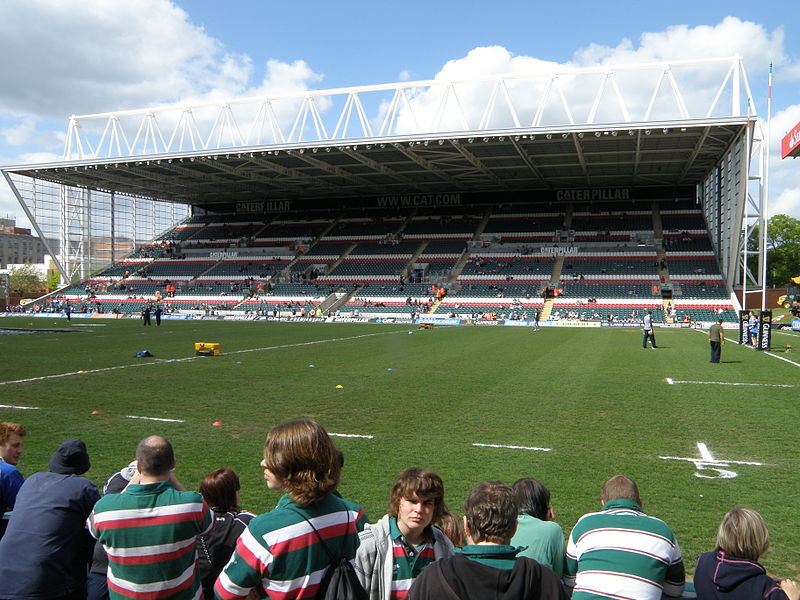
(594, 397)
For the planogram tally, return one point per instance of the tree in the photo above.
(783, 250)
(26, 280)
(53, 280)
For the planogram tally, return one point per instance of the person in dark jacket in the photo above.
(46, 550)
(488, 568)
(732, 571)
(220, 489)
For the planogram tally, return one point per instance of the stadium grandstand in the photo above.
(578, 195)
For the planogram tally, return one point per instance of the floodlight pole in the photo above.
(764, 212)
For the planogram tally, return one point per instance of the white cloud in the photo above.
(784, 174)
(786, 202)
(729, 37)
(698, 85)
(404, 75)
(93, 55)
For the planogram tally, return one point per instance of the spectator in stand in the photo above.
(537, 530)
(732, 571)
(620, 552)
(488, 566)
(287, 550)
(220, 489)
(396, 549)
(46, 550)
(11, 445)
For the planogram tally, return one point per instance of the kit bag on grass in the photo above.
(340, 581)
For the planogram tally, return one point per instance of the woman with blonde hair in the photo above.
(288, 550)
(732, 571)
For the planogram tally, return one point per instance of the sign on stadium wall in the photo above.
(415, 200)
(594, 194)
(267, 206)
(790, 144)
(455, 198)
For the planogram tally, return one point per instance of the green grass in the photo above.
(600, 402)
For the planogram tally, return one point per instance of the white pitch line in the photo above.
(155, 419)
(705, 453)
(19, 407)
(671, 381)
(190, 358)
(351, 435)
(789, 333)
(796, 364)
(715, 461)
(513, 447)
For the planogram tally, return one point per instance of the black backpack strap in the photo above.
(331, 558)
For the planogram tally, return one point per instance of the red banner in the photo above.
(790, 144)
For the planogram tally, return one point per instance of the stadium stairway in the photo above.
(666, 305)
(568, 218)
(335, 300)
(482, 225)
(410, 264)
(547, 309)
(288, 268)
(555, 275)
(339, 260)
(456, 271)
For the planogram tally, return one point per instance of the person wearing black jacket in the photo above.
(488, 568)
(220, 489)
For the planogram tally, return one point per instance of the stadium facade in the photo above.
(682, 129)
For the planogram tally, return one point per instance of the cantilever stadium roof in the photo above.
(666, 154)
(655, 124)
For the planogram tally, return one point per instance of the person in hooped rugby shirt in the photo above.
(280, 551)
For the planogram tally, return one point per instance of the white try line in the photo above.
(190, 358)
(351, 435)
(155, 419)
(19, 407)
(672, 381)
(513, 447)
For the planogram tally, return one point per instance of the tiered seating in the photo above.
(507, 255)
(615, 222)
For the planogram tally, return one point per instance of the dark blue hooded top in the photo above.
(719, 576)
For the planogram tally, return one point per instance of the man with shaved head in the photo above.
(149, 529)
(620, 552)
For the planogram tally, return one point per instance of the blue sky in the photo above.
(87, 56)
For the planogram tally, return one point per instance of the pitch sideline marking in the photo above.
(768, 353)
(189, 358)
(155, 419)
(513, 447)
(352, 435)
(791, 362)
(707, 462)
(20, 407)
(672, 381)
